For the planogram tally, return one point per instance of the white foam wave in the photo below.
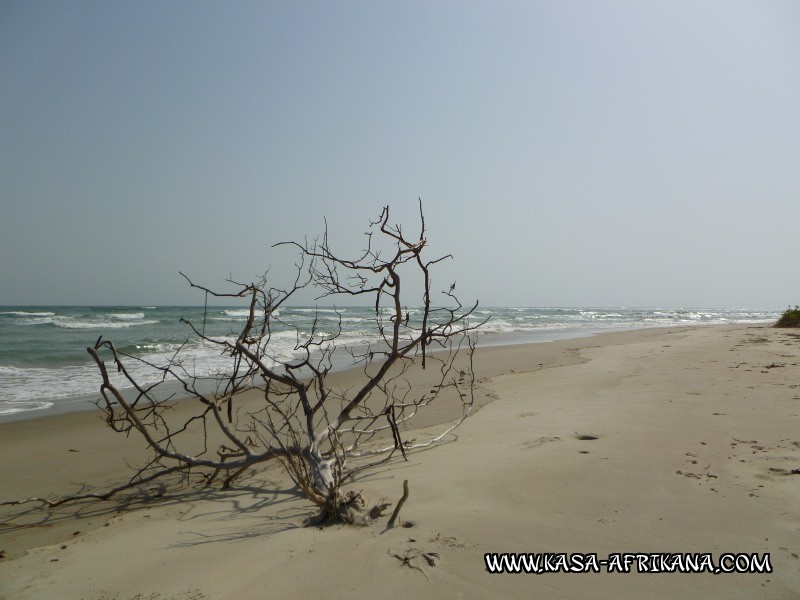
(239, 312)
(498, 326)
(11, 407)
(22, 313)
(35, 321)
(157, 347)
(127, 316)
(73, 323)
(29, 385)
(33, 388)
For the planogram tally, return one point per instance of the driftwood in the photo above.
(320, 434)
(400, 503)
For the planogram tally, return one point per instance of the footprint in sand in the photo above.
(449, 541)
(539, 441)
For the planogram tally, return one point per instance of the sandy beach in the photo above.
(683, 440)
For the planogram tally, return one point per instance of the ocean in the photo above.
(44, 365)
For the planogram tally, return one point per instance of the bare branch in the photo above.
(266, 407)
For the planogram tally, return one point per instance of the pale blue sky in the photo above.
(567, 153)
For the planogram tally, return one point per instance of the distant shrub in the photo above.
(790, 318)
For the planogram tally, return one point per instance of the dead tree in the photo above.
(265, 409)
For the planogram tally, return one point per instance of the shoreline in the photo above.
(679, 439)
(86, 402)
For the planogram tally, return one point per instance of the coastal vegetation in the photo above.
(265, 408)
(790, 317)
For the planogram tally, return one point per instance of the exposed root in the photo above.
(349, 508)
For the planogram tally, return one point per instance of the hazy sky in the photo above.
(567, 152)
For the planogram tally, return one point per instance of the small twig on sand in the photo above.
(411, 554)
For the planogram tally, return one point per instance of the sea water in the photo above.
(44, 364)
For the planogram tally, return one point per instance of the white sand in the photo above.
(696, 442)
